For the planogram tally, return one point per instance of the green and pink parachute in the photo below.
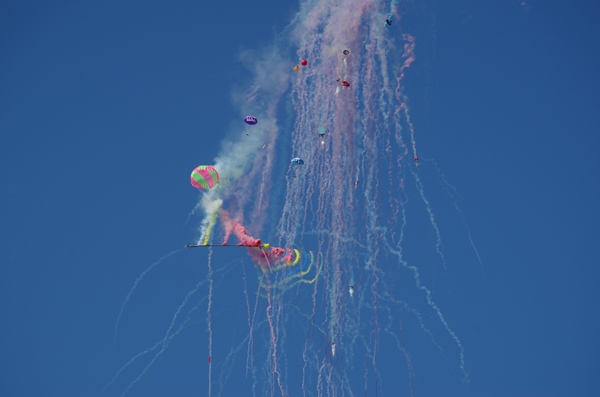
(204, 177)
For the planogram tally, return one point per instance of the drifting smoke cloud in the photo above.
(250, 151)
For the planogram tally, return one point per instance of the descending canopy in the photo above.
(346, 52)
(204, 177)
(250, 120)
(297, 161)
(304, 62)
(296, 68)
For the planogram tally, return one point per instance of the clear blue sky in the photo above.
(106, 108)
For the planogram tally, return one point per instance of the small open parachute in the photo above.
(297, 161)
(250, 120)
(346, 52)
(296, 68)
(303, 62)
(322, 135)
(204, 177)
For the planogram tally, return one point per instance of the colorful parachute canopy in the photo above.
(345, 83)
(204, 177)
(303, 62)
(250, 120)
(297, 161)
(296, 68)
(346, 52)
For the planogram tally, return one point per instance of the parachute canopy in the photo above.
(346, 52)
(204, 177)
(303, 62)
(250, 120)
(296, 68)
(345, 83)
(297, 161)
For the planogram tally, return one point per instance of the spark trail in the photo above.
(341, 220)
(354, 139)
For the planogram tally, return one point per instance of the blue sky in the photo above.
(105, 109)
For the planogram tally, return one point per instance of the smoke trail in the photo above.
(135, 284)
(346, 115)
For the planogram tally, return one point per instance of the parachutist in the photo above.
(332, 349)
(351, 291)
(250, 120)
(344, 82)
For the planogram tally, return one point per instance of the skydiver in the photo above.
(332, 349)
(351, 291)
